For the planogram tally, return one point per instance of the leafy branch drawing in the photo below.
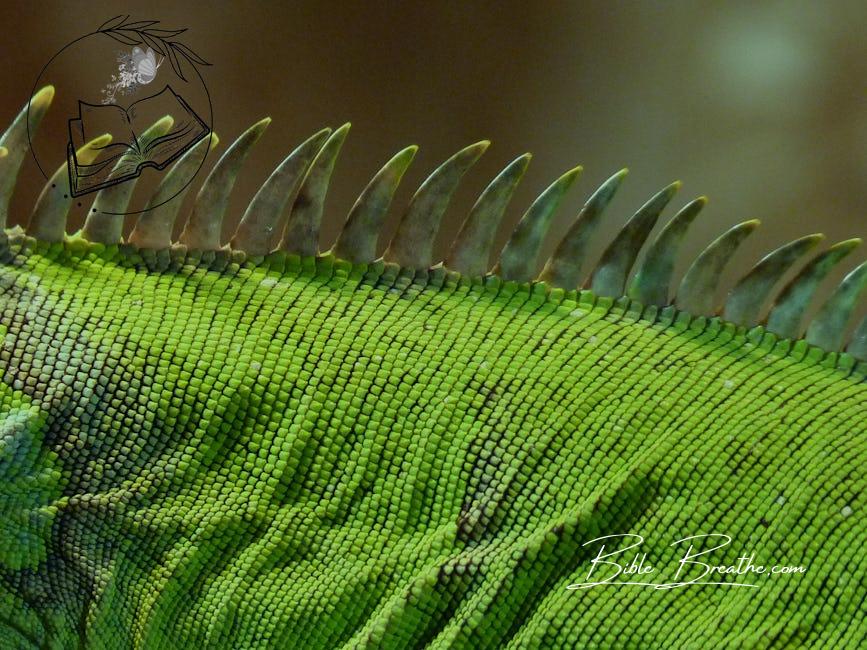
(145, 32)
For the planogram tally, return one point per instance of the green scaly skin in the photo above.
(303, 453)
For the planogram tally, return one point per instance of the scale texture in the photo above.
(299, 452)
(252, 443)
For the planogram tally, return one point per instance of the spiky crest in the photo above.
(300, 183)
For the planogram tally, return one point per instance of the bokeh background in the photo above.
(762, 106)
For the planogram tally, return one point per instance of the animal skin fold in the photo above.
(250, 443)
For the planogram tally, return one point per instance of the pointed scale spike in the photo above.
(15, 140)
(471, 250)
(697, 292)
(255, 232)
(520, 254)
(4, 240)
(563, 268)
(609, 277)
(48, 221)
(104, 222)
(358, 239)
(412, 244)
(154, 226)
(829, 326)
(205, 223)
(789, 308)
(858, 345)
(652, 282)
(746, 299)
(301, 235)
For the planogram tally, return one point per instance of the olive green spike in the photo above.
(255, 232)
(412, 244)
(104, 222)
(788, 310)
(697, 292)
(829, 326)
(4, 239)
(205, 223)
(563, 268)
(519, 256)
(858, 345)
(358, 239)
(612, 271)
(652, 282)
(154, 226)
(749, 295)
(16, 142)
(471, 250)
(301, 235)
(48, 220)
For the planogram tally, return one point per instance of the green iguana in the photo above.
(259, 445)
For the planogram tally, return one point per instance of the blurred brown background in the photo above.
(761, 106)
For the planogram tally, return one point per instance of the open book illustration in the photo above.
(129, 152)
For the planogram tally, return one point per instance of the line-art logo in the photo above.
(137, 140)
(121, 127)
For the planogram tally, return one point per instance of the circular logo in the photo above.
(136, 104)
